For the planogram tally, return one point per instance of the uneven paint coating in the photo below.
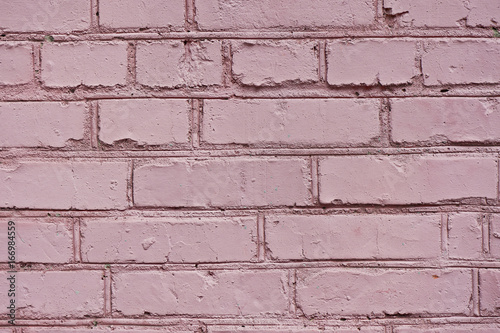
(253, 166)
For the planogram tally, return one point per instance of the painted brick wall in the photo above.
(256, 166)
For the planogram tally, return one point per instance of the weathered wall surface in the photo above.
(251, 165)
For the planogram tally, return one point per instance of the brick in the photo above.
(138, 14)
(483, 13)
(172, 64)
(98, 328)
(282, 14)
(42, 295)
(428, 13)
(228, 182)
(370, 62)
(16, 63)
(64, 185)
(494, 235)
(465, 236)
(263, 63)
(60, 16)
(271, 122)
(384, 292)
(145, 121)
(294, 237)
(443, 120)
(43, 240)
(146, 240)
(201, 293)
(284, 329)
(405, 179)
(41, 124)
(463, 328)
(489, 292)
(461, 62)
(81, 63)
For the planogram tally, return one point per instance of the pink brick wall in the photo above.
(254, 166)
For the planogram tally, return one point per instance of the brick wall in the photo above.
(251, 165)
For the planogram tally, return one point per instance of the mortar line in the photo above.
(108, 311)
(485, 232)
(37, 64)
(315, 180)
(385, 122)
(292, 291)
(130, 185)
(196, 105)
(261, 236)
(77, 247)
(388, 329)
(444, 235)
(131, 78)
(94, 16)
(94, 124)
(475, 292)
(227, 58)
(322, 65)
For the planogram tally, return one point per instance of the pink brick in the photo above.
(461, 62)
(64, 185)
(451, 328)
(229, 182)
(465, 236)
(353, 237)
(445, 119)
(428, 13)
(282, 14)
(98, 328)
(489, 292)
(483, 13)
(146, 240)
(172, 64)
(370, 62)
(89, 64)
(70, 294)
(146, 121)
(264, 63)
(47, 240)
(16, 63)
(272, 122)
(41, 124)
(405, 179)
(59, 16)
(284, 329)
(494, 235)
(237, 293)
(139, 14)
(379, 292)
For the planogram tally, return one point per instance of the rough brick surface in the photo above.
(48, 240)
(345, 292)
(428, 13)
(41, 124)
(370, 62)
(260, 63)
(489, 291)
(484, 13)
(229, 182)
(439, 120)
(250, 166)
(465, 232)
(169, 240)
(80, 185)
(56, 294)
(282, 14)
(293, 237)
(16, 64)
(137, 14)
(147, 122)
(405, 179)
(461, 62)
(90, 64)
(327, 122)
(202, 292)
(45, 15)
(175, 64)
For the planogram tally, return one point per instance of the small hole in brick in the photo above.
(3, 35)
(356, 93)
(185, 42)
(343, 319)
(404, 90)
(97, 14)
(445, 90)
(72, 90)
